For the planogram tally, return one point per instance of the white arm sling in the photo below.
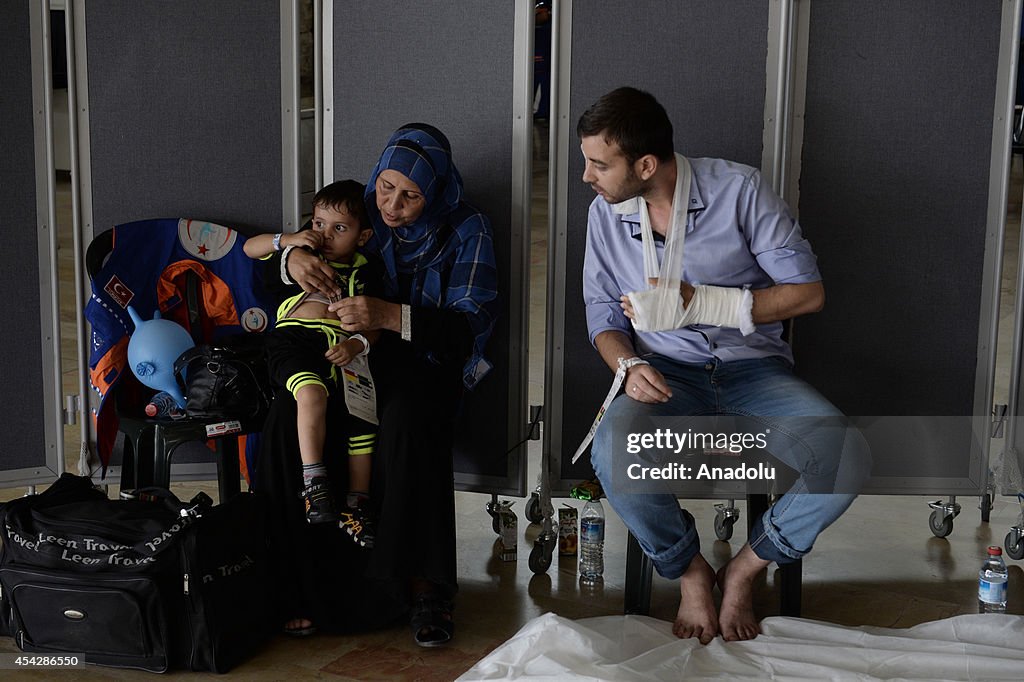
(661, 308)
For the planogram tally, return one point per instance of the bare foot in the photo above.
(696, 616)
(736, 580)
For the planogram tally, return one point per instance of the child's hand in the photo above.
(343, 353)
(305, 238)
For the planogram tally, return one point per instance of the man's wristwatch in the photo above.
(277, 241)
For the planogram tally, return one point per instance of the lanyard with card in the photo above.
(360, 393)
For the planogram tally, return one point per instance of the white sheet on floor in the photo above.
(973, 647)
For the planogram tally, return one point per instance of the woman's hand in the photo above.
(311, 273)
(367, 313)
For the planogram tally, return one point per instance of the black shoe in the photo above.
(431, 622)
(358, 523)
(319, 503)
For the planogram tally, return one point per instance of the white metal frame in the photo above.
(1008, 51)
(324, 78)
(777, 93)
(290, 115)
(46, 240)
(46, 245)
(558, 192)
(519, 277)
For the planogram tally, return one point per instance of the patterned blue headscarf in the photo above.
(448, 251)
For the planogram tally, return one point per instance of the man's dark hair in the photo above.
(632, 119)
(347, 194)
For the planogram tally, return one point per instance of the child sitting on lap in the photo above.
(308, 345)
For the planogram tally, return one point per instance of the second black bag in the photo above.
(223, 382)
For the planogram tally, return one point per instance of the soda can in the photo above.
(568, 539)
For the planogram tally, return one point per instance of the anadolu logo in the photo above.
(254, 320)
(205, 241)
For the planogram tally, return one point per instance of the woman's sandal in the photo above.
(431, 622)
(299, 630)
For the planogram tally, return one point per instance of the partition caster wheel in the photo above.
(1014, 550)
(940, 524)
(534, 512)
(725, 519)
(723, 527)
(540, 556)
(986, 507)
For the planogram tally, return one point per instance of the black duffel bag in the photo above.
(225, 381)
(150, 583)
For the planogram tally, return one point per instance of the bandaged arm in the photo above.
(727, 307)
(658, 310)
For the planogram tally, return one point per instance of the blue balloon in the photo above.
(152, 350)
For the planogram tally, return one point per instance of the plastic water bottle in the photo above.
(162, 405)
(592, 542)
(992, 583)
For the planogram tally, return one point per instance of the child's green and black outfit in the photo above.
(296, 346)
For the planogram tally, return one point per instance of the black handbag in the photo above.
(150, 583)
(224, 382)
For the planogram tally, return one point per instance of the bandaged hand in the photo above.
(662, 309)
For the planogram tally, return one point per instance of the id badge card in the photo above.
(360, 394)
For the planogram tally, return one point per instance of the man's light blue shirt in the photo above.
(739, 233)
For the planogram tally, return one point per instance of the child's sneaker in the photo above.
(319, 503)
(358, 523)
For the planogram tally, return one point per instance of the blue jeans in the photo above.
(764, 390)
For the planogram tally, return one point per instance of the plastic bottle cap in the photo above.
(995, 550)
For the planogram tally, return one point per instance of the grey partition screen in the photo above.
(32, 450)
(706, 62)
(464, 68)
(188, 113)
(188, 109)
(902, 194)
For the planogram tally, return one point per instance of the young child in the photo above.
(307, 346)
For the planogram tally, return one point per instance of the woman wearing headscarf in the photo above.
(439, 308)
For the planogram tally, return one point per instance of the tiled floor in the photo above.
(878, 565)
